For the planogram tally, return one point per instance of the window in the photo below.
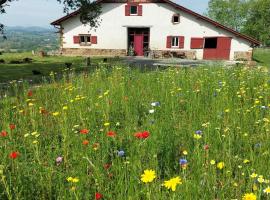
(85, 39)
(176, 19)
(210, 43)
(175, 42)
(134, 10)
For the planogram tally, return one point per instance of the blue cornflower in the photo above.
(198, 132)
(155, 103)
(182, 161)
(121, 153)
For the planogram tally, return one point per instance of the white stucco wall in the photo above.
(112, 32)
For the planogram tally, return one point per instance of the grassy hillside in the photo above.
(28, 39)
(194, 133)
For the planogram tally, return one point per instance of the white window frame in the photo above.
(175, 41)
(85, 43)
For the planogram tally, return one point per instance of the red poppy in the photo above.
(14, 155)
(107, 166)
(111, 134)
(12, 126)
(206, 147)
(142, 135)
(84, 131)
(4, 134)
(98, 196)
(85, 142)
(30, 93)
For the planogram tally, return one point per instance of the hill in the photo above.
(20, 39)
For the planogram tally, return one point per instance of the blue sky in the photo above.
(42, 12)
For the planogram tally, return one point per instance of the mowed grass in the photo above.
(92, 136)
(45, 65)
(262, 56)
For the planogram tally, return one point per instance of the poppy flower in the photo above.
(43, 111)
(142, 135)
(107, 166)
(85, 142)
(4, 134)
(98, 196)
(84, 131)
(30, 93)
(12, 126)
(14, 155)
(111, 134)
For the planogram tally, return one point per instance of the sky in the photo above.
(43, 12)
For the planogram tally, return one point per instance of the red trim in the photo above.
(127, 10)
(139, 10)
(248, 38)
(93, 39)
(169, 42)
(181, 42)
(76, 39)
(196, 43)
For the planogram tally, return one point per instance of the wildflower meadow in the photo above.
(123, 134)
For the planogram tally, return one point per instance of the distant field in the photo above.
(121, 134)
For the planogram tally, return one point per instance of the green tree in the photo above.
(231, 13)
(257, 22)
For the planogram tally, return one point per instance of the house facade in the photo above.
(159, 27)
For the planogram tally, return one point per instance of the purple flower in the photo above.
(58, 160)
(198, 132)
(121, 153)
(182, 161)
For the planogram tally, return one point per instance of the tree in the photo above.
(89, 11)
(231, 13)
(258, 21)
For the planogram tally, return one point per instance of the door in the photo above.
(217, 48)
(224, 48)
(138, 45)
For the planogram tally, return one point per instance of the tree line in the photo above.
(250, 17)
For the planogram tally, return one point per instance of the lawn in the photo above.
(45, 65)
(119, 133)
(262, 56)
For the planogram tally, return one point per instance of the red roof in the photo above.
(248, 38)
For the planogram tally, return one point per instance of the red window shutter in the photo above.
(181, 42)
(139, 10)
(94, 39)
(196, 43)
(76, 39)
(169, 42)
(127, 10)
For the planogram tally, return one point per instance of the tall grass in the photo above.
(52, 142)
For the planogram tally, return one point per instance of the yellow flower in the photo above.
(107, 124)
(253, 175)
(220, 165)
(172, 183)
(185, 152)
(212, 162)
(148, 176)
(30, 104)
(35, 142)
(267, 190)
(260, 179)
(246, 161)
(249, 196)
(227, 110)
(65, 107)
(73, 180)
(197, 136)
(55, 113)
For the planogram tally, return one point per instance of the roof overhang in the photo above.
(253, 41)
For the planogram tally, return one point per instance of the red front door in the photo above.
(138, 45)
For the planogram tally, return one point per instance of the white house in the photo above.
(161, 27)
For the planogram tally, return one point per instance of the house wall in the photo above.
(112, 32)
